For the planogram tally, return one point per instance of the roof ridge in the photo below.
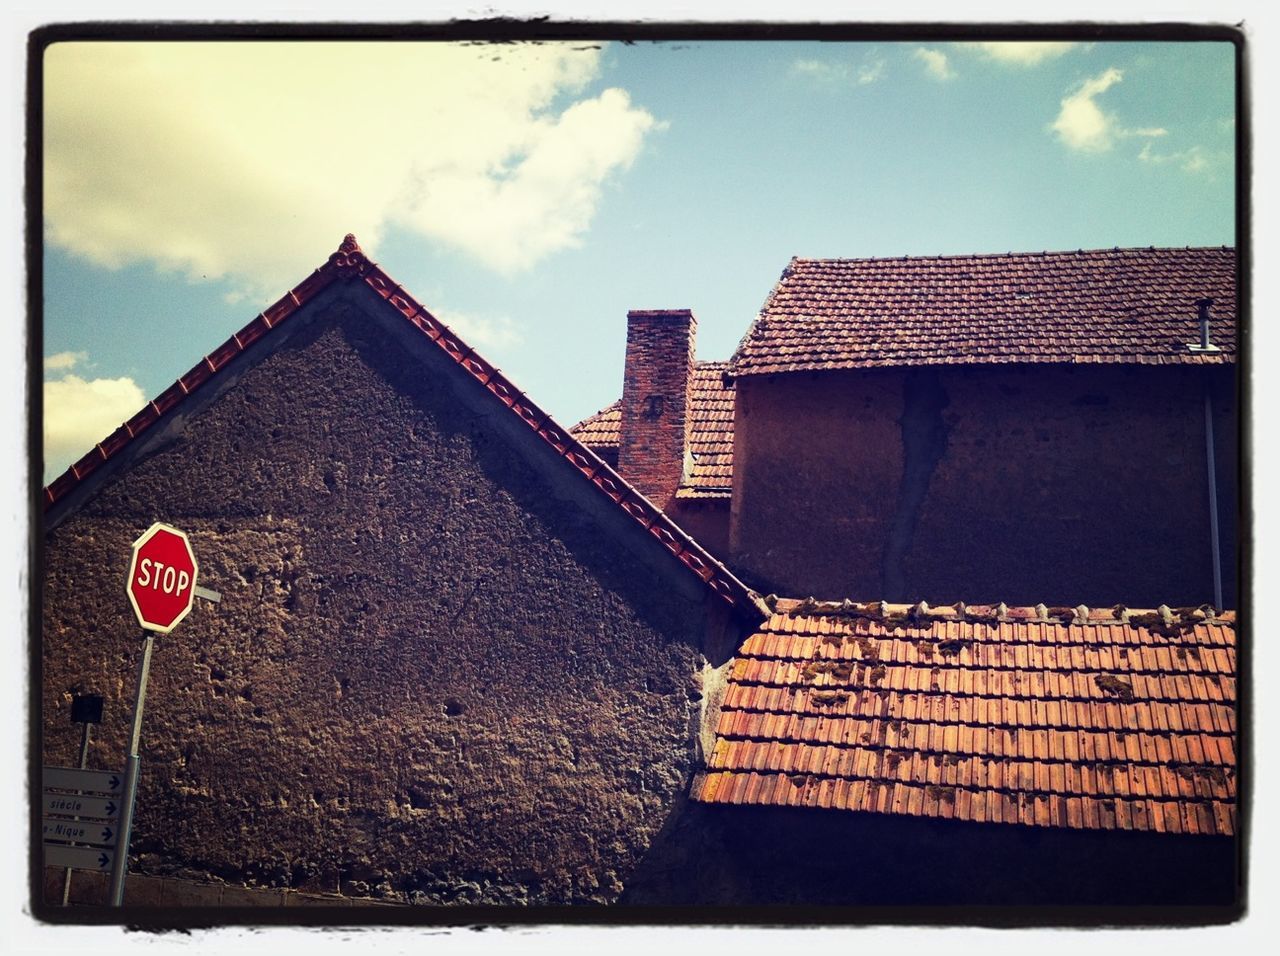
(1163, 617)
(349, 263)
(1009, 254)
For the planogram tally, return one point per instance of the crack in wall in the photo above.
(924, 442)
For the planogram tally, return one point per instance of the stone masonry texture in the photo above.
(1024, 485)
(442, 670)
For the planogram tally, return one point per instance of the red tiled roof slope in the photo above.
(350, 264)
(1108, 305)
(998, 715)
(602, 431)
(711, 434)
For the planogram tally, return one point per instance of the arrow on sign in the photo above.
(74, 805)
(78, 857)
(69, 778)
(77, 831)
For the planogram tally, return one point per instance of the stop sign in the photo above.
(162, 578)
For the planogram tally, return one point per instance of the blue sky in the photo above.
(531, 195)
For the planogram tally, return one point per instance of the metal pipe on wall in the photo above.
(1211, 462)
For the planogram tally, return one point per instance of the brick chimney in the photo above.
(655, 401)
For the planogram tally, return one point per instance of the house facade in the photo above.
(457, 659)
(1023, 428)
(467, 656)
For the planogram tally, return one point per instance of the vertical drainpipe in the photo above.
(1210, 458)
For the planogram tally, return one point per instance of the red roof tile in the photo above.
(1065, 739)
(710, 438)
(350, 264)
(1108, 305)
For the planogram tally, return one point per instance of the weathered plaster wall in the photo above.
(762, 856)
(1024, 485)
(706, 521)
(435, 673)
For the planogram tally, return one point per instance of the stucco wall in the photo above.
(1025, 485)
(707, 521)
(443, 668)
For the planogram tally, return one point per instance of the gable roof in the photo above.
(711, 433)
(349, 264)
(1077, 718)
(1108, 305)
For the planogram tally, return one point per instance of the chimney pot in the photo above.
(1204, 345)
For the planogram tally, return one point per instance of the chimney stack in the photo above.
(655, 401)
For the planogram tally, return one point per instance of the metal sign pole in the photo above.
(120, 865)
(84, 762)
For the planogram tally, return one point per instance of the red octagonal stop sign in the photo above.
(162, 578)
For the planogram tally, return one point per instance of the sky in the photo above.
(530, 194)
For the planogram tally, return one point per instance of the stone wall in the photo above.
(1024, 485)
(443, 664)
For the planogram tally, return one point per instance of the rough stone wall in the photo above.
(1034, 484)
(440, 671)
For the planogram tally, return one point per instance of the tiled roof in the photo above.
(1109, 305)
(601, 431)
(985, 714)
(711, 435)
(711, 440)
(350, 264)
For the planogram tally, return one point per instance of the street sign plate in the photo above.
(71, 805)
(78, 857)
(95, 781)
(79, 831)
(162, 578)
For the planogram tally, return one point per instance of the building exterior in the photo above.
(456, 660)
(467, 656)
(985, 428)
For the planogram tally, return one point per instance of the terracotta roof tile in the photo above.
(710, 435)
(1107, 305)
(349, 264)
(983, 731)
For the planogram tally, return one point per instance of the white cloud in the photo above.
(78, 414)
(935, 62)
(840, 74)
(1193, 159)
(1149, 131)
(870, 72)
(480, 331)
(235, 159)
(821, 70)
(64, 361)
(1081, 124)
(1019, 53)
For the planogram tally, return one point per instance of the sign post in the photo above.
(86, 710)
(161, 587)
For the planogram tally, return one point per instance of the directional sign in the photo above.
(95, 781)
(70, 805)
(79, 831)
(78, 857)
(162, 578)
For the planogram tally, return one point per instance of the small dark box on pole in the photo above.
(86, 709)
